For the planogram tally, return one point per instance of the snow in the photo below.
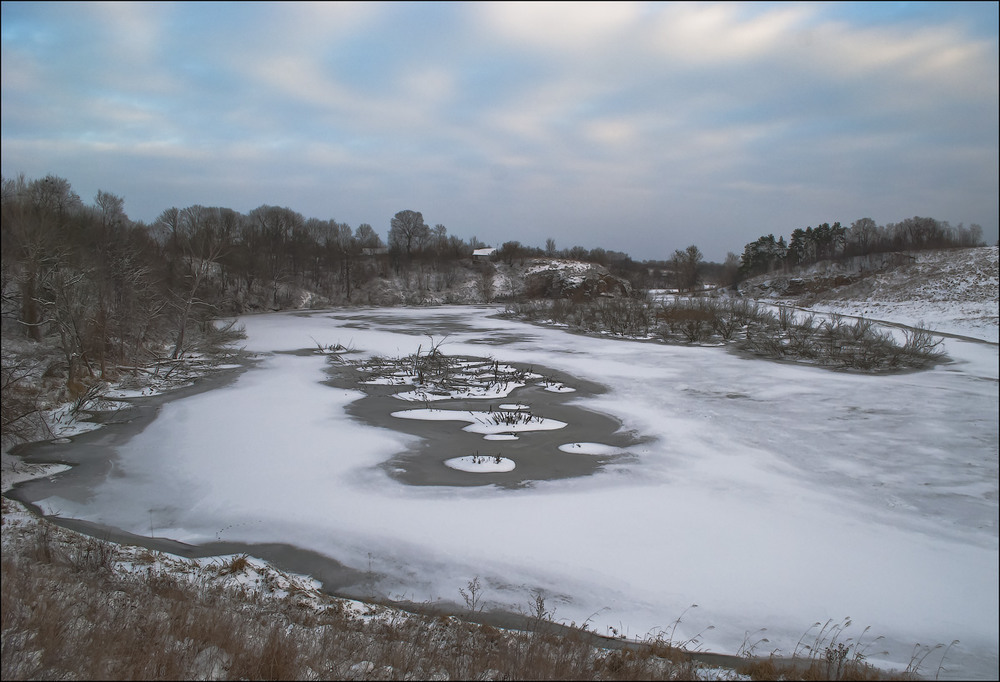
(481, 464)
(772, 495)
(951, 291)
(559, 388)
(485, 423)
(590, 449)
(63, 423)
(478, 392)
(971, 319)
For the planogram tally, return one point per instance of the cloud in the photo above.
(553, 27)
(681, 114)
(613, 133)
(131, 32)
(724, 33)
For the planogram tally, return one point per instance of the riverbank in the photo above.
(82, 606)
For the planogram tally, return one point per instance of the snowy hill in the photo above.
(468, 282)
(952, 291)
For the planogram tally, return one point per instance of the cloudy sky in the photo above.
(636, 127)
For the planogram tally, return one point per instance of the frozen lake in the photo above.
(771, 495)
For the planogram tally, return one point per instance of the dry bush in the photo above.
(836, 343)
(694, 320)
(20, 395)
(237, 564)
(762, 669)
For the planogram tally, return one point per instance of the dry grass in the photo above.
(76, 607)
(69, 611)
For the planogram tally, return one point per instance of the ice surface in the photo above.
(487, 423)
(590, 449)
(481, 464)
(772, 495)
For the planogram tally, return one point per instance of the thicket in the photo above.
(777, 333)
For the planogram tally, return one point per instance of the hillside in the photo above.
(468, 281)
(953, 291)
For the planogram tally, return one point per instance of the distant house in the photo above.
(483, 254)
(374, 250)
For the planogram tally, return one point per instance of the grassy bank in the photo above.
(77, 607)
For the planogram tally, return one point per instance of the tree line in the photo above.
(111, 291)
(864, 237)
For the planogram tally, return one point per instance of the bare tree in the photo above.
(54, 194)
(862, 235)
(485, 282)
(367, 237)
(196, 254)
(20, 414)
(975, 235)
(407, 231)
(112, 208)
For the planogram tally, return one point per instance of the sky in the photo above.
(635, 127)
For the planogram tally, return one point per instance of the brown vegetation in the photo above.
(77, 607)
(747, 326)
(70, 611)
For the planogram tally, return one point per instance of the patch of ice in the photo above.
(481, 422)
(118, 393)
(559, 388)
(470, 393)
(390, 381)
(590, 449)
(420, 396)
(480, 464)
(15, 471)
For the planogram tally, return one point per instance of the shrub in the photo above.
(835, 342)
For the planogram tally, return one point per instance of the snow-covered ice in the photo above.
(481, 464)
(590, 449)
(486, 423)
(772, 495)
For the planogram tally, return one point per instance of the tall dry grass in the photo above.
(75, 607)
(69, 612)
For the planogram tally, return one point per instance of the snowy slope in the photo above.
(953, 291)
